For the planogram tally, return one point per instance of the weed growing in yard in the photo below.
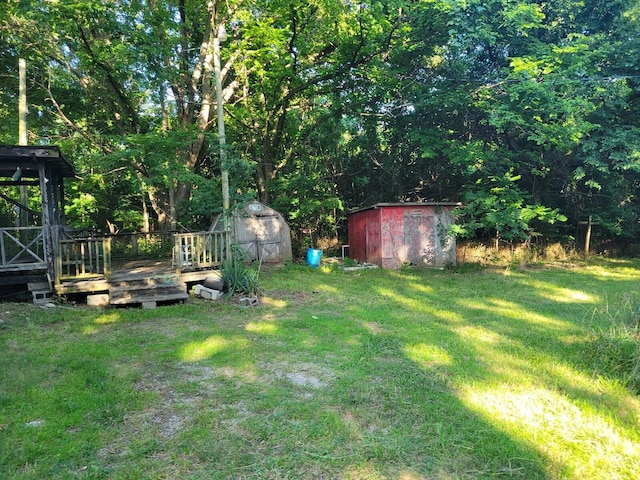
(239, 277)
(615, 346)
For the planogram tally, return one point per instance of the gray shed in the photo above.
(261, 231)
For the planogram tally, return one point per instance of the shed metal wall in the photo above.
(364, 236)
(392, 234)
(261, 232)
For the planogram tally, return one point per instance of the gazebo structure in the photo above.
(29, 247)
(41, 254)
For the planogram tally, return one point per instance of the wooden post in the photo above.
(587, 239)
(106, 261)
(22, 135)
(50, 250)
(134, 244)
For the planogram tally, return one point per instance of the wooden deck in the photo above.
(145, 283)
(84, 268)
(41, 254)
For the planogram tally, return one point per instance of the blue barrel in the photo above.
(313, 257)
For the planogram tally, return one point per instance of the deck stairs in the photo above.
(147, 291)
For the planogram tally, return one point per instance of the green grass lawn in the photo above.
(475, 373)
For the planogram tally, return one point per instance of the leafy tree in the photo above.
(331, 105)
(496, 206)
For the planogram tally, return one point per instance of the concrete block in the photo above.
(148, 305)
(42, 297)
(249, 301)
(98, 300)
(207, 293)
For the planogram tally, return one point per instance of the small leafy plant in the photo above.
(239, 277)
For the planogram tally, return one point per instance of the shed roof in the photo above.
(28, 157)
(407, 204)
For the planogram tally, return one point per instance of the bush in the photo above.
(240, 278)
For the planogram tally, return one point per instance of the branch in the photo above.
(72, 124)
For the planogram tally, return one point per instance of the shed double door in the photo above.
(262, 238)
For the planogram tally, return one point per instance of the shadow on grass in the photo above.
(417, 374)
(430, 360)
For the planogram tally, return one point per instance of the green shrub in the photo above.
(240, 278)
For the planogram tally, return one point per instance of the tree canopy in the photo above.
(525, 111)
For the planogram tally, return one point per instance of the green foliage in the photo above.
(239, 277)
(333, 105)
(497, 205)
(81, 212)
(310, 199)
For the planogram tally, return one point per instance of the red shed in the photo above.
(390, 234)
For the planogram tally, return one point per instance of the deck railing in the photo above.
(22, 248)
(82, 257)
(195, 251)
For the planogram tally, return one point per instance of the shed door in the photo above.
(268, 239)
(418, 237)
(260, 237)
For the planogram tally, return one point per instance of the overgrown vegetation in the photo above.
(524, 110)
(239, 277)
(464, 373)
(615, 344)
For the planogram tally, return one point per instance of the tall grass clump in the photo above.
(614, 348)
(239, 277)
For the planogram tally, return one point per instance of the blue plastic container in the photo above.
(313, 257)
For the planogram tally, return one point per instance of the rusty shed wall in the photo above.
(364, 236)
(393, 234)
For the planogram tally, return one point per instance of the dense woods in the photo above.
(525, 111)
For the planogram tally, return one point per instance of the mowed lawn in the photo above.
(410, 374)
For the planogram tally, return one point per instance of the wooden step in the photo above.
(141, 293)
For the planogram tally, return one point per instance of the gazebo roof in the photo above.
(27, 159)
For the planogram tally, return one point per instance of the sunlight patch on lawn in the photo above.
(588, 444)
(420, 288)
(507, 309)
(90, 330)
(478, 333)
(427, 356)
(620, 273)
(196, 351)
(273, 302)
(105, 319)
(562, 295)
(419, 305)
(322, 287)
(261, 327)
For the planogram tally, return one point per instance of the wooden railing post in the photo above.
(106, 252)
(199, 250)
(177, 260)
